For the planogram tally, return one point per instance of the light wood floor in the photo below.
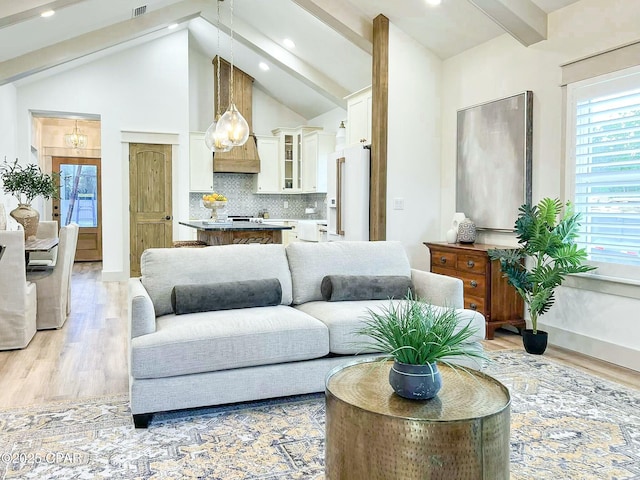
(88, 356)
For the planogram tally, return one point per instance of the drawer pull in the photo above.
(443, 259)
(474, 284)
(470, 263)
(473, 306)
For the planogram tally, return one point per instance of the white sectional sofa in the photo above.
(213, 357)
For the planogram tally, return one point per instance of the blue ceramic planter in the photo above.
(416, 382)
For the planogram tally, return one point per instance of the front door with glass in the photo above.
(79, 201)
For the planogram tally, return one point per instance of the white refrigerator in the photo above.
(348, 194)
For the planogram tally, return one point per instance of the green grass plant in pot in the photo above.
(25, 183)
(547, 254)
(417, 335)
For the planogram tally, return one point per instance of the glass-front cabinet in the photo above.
(291, 156)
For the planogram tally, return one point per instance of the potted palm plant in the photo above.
(547, 254)
(26, 183)
(417, 335)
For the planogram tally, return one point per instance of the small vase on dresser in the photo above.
(467, 231)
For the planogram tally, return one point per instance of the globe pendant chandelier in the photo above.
(232, 126)
(216, 141)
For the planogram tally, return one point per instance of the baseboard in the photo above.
(607, 351)
(113, 276)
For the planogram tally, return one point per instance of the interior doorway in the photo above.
(79, 201)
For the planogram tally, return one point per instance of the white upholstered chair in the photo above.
(74, 244)
(18, 297)
(46, 229)
(53, 284)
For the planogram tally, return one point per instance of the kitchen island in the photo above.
(219, 233)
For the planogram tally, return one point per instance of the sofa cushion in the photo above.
(225, 339)
(344, 319)
(193, 298)
(338, 288)
(164, 268)
(310, 262)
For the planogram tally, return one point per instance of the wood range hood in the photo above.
(242, 159)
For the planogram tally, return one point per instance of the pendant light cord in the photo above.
(217, 109)
(231, 76)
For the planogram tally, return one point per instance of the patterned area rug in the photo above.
(565, 425)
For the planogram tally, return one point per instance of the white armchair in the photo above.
(18, 299)
(46, 229)
(53, 284)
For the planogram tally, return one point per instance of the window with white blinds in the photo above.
(604, 155)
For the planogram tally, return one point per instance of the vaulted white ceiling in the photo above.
(331, 59)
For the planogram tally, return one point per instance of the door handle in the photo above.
(168, 217)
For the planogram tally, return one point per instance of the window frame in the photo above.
(607, 271)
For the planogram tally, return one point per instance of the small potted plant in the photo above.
(25, 183)
(547, 254)
(418, 335)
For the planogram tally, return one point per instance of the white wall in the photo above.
(268, 114)
(581, 320)
(413, 147)
(144, 88)
(330, 121)
(201, 106)
(8, 116)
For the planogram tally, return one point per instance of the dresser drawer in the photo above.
(474, 284)
(475, 303)
(449, 272)
(443, 259)
(471, 263)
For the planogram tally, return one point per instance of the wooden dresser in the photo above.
(485, 290)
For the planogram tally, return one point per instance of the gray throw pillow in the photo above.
(337, 288)
(225, 295)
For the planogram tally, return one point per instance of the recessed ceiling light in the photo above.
(172, 26)
(263, 66)
(434, 3)
(47, 13)
(289, 43)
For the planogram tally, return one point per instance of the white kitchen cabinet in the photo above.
(359, 117)
(268, 180)
(291, 150)
(200, 164)
(289, 236)
(315, 148)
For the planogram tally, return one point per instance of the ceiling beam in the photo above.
(97, 40)
(290, 63)
(12, 12)
(522, 19)
(344, 19)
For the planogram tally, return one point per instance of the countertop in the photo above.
(232, 226)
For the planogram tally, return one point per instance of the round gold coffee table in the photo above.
(372, 433)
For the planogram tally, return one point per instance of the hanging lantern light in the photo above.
(232, 126)
(214, 140)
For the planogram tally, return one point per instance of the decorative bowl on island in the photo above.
(214, 201)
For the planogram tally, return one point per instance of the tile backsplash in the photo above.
(238, 188)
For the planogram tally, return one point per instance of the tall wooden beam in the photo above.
(379, 123)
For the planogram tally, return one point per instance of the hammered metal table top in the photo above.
(465, 394)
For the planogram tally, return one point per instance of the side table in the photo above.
(372, 433)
